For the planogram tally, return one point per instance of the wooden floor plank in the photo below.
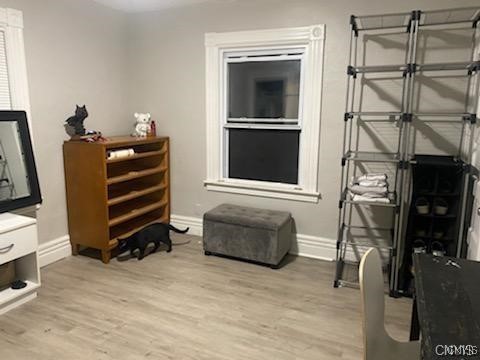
(184, 305)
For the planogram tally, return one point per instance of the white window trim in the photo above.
(12, 21)
(311, 38)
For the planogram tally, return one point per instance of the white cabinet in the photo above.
(18, 243)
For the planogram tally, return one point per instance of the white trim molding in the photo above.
(11, 22)
(11, 17)
(314, 247)
(195, 224)
(309, 246)
(54, 250)
(311, 40)
(263, 189)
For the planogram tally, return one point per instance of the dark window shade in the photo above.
(269, 99)
(267, 89)
(264, 155)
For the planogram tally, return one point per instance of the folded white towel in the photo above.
(373, 183)
(371, 195)
(363, 198)
(362, 190)
(373, 176)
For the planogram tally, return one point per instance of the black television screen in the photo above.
(18, 174)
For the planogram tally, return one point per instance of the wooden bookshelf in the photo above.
(109, 199)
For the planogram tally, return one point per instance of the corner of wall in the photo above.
(54, 250)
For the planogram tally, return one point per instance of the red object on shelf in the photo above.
(153, 128)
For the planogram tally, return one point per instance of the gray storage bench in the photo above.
(257, 235)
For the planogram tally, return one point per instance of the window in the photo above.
(261, 131)
(263, 112)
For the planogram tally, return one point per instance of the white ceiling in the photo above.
(149, 5)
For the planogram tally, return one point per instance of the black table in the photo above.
(446, 309)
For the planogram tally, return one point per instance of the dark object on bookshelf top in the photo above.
(74, 124)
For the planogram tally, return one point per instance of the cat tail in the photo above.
(171, 227)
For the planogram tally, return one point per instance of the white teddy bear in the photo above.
(143, 125)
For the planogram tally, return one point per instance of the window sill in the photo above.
(253, 188)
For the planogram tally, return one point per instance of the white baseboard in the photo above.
(195, 224)
(54, 250)
(305, 245)
(314, 247)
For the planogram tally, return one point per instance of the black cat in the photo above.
(76, 121)
(155, 233)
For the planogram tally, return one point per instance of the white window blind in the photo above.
(5, 101)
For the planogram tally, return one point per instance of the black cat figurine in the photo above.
(75, 122)
(155, 233)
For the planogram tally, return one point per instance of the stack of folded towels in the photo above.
(371, 187)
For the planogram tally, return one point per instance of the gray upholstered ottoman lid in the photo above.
(247, 216)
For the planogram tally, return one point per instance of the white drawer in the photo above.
(18, 243)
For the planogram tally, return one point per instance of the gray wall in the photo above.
(81, 52)
(168, 80)
(76, 54)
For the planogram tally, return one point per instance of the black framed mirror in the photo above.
(18, 174)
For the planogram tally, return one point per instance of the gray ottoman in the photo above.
(257, 235)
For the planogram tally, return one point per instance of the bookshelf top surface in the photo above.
(120, 141)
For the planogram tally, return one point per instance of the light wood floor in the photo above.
(184, 305)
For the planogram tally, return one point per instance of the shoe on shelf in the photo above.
(419, 247)
(423, 206)
(440, 207)
(438, 249)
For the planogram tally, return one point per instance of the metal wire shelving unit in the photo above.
(403, 155)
